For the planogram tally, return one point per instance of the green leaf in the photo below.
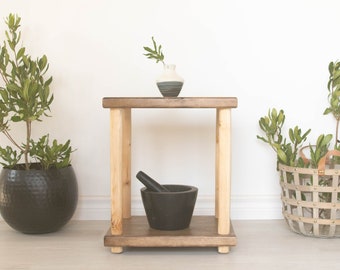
(16, 118)
(291, 135)
(282, 156)
(42, 62)
(26, 61)
(331, 67)
(26, 89)
(20, 53)
(327, 139)
(4, 95)
(327, 111)
(319, 140)
(149, 50)
(48, 82)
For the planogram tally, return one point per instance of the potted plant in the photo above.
(38, 187)
(310, 186)
(169, 83)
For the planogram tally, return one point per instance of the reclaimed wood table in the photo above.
(133, 231)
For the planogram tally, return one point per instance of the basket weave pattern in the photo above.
(310, 202)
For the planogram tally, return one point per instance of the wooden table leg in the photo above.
(120, 129)
(127, 163)
(223, 173)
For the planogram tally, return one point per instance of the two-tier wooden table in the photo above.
(133, 231)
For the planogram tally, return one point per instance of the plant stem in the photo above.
(337, 133)
(4, 78)
(28, 138)
(11, 139)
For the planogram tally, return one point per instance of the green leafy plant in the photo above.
(25, 98)
(334, 96)
(49, 155)
(287, 151)
(155, 53)
(321, 148)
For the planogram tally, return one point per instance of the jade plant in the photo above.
(155, 53)
(25, 97)
(287, 148)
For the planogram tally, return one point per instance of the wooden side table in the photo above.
(134, 231)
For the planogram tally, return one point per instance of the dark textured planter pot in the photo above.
(170, 210)
(38, 201)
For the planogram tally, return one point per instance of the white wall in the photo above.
(267, 53)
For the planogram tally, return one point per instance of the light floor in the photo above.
(79, 245)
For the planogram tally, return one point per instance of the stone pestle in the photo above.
(150, 183)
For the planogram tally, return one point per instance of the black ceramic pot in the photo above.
(38, 201)
(170, 210)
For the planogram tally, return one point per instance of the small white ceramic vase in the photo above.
(170, 83)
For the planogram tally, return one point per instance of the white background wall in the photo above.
(267, 53)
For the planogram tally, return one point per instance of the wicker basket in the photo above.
(310, 198)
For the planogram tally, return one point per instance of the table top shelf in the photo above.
(201, 233)
(178, 102)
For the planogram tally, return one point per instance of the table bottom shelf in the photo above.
(201, 233)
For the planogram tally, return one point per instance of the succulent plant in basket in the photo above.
(310, 186)
(38, 188)
(169, 83)
(288, 150)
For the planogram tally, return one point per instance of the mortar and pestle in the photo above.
(167, 207)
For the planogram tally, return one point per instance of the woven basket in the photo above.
(310, 198)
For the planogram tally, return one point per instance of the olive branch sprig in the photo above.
(155, 53)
